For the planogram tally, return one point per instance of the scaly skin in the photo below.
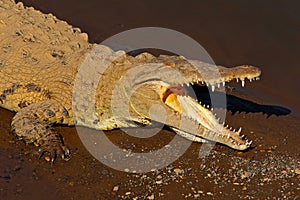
(41, 79)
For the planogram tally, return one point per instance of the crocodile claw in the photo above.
(54, 151)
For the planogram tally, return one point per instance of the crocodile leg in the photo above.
(33, 125)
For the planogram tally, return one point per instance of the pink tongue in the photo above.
(178, 90)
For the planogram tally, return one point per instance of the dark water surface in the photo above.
(261, 33)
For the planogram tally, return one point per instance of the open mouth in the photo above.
(169, 96)
(178, 98)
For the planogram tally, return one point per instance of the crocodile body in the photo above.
(39, 63)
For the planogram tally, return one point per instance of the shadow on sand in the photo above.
(236, 104)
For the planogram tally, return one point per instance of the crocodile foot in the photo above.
(33, 125)
(53, 145)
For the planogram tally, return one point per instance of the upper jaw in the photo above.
(216, 76)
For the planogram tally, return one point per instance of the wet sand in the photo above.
(261, 34)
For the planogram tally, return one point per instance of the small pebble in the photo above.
(178, 171)
(209, 193)
(246, 175)
(19, 190)
(116, 188)
(266, 179)
(17, 168)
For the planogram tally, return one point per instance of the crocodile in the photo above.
(40, 60)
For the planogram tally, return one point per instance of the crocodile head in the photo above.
(162, 82)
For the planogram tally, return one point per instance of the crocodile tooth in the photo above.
(243, 136)
(223, 83)
(228, 136)
(243, 83)
(192, 83)
(233, 130)
(188, 84)
(239, 130)
(257, 78)
(230, 128)
(249, 143)
(213, 88)
(237, 80)
(218, 85)
(212, 109)
(223, 123)
(250, 79)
